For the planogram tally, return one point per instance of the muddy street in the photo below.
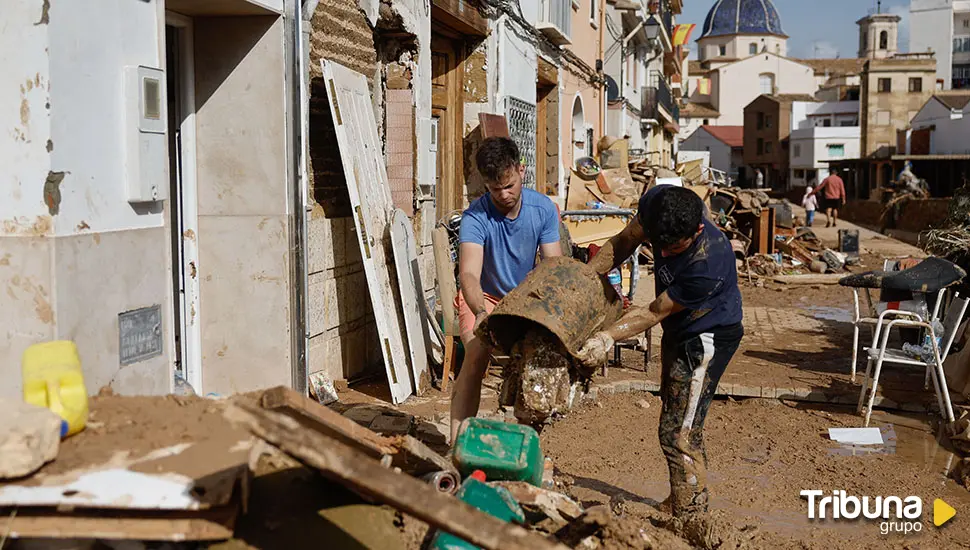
(761, 454)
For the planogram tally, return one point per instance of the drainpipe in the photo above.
(298, 191)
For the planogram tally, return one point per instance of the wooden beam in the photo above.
(406, 452)
(364, 475)
(317, 417)
(826, 279)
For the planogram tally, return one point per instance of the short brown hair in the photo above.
(495, 156)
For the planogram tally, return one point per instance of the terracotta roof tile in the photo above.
(729, 135)
(834, 67)
(699, 110)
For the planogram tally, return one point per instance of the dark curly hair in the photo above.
(672, 216)
(495, 156)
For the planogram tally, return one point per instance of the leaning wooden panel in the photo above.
(370, 198)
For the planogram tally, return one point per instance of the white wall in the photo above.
(702, 140)
(931, 28)
(738, 84)
(517, 71)
(951, 135)
(24, 119)
(739, 47)
(91, 43)
(809, 148)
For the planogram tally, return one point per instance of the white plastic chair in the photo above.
(872, 316)
(934, 366)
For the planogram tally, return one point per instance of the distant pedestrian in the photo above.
(810, 203)
(833, 197)
(759, 178)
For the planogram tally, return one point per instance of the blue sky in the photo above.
(816, 28)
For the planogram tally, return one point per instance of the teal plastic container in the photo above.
(495, 501)
(505, 452)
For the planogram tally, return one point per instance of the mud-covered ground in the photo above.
(761, 453)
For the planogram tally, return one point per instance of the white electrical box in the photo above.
(145, 120)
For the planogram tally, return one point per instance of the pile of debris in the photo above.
(189, 478)
(770, 243)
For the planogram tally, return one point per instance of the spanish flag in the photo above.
(704, 86)
(682, 33)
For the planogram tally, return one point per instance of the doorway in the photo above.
(182, 208)
(447, 114)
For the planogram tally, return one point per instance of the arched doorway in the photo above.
(578, 130)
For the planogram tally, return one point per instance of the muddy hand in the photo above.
(595, 351)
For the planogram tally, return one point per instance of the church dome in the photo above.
(729, 17)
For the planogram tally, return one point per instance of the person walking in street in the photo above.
(810, 203)
(833, 197)
(759, 178)
(500, 233)
(698, 304)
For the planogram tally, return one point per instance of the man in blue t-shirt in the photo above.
(500, 234)
(698, 304)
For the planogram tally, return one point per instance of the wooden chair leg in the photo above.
(449, 360)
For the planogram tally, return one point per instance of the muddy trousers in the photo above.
(691, 371)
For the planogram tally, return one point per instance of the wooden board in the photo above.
(406, 452)
(370, 199)
(206, 525)
(493, 125)
(412, 296)
(368, 478)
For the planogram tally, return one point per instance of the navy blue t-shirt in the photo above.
(703, 279)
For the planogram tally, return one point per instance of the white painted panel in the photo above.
(412, 293)
(370, 197)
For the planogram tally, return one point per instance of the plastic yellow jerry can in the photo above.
(53, 379)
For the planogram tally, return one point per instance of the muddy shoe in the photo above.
(712, 532)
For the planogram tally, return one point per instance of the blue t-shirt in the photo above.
(510, 245)
(703, 279)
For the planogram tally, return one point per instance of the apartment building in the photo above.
(942, 27)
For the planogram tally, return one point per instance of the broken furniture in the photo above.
(933, 275)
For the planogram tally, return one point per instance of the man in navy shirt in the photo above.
(698, 304)
(500, 234)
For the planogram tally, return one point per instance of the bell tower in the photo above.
(878, 34)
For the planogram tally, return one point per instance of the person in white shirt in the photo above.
(810, 203)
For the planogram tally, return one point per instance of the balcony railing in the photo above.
(658, 101)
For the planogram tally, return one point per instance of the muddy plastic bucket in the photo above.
(565, 296)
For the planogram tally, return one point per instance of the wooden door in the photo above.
(447, 108)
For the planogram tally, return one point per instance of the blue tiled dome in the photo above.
(742, 17)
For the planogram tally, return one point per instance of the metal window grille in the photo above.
(521, 117)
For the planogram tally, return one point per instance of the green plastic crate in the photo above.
(504, 451)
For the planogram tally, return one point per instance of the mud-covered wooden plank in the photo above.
(364, 475)
(319, 418)
(827, 279)
(203, 525)
(418, 459)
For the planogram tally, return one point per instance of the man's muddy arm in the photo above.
(639, 319)
(471, 257)
(619, 248)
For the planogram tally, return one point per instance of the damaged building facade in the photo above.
(175, 201)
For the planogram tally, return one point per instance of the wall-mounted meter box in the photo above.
(145, 120)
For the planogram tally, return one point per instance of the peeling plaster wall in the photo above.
(91, 43)
(69, 260)
(24, 119)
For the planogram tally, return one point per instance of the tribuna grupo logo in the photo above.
(895, 514)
